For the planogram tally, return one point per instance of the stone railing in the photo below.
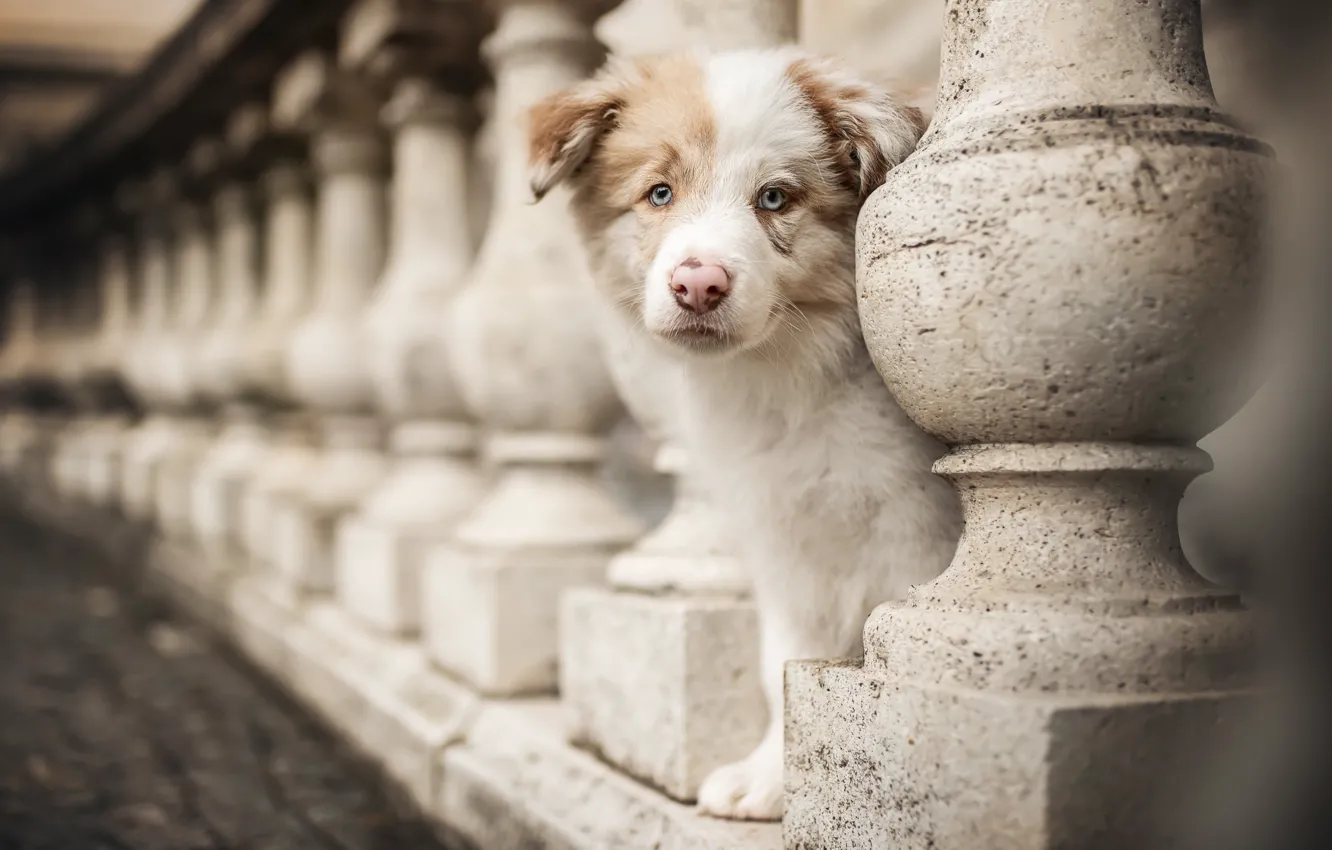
(282, 303)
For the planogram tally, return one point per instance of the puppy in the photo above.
(717, 198)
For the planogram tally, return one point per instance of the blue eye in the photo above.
(771, 199)
(660, 195)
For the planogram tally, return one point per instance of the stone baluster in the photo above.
(481, 174)
(523, 343)
(288, 254)
(1055, 285)
(263, 605)
(242, 448)
(184, 381)
(75, 276)
(90, 367)
(675, 635)
(54, 401)
(116, 405)
(426, 50)
(19, 429)
(326, 361)
(150, 204)
(897, 41)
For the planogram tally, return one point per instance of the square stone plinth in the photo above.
(172, 492)
(139, 485)
(303, 549)
(517, 783)
(215, 508)
(200, 580)
(263, 610)
(490, 617)
(665, 688)
(379, 573)
(102, 475)
(873, 765)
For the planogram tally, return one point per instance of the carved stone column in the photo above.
(427, 51)
(19, 428)
(262, 605)
(184, 382)
(288, 242)
(523, 341)
(117, 407)
(73, 278)
(674, 636)
(150, 204)
(1055, 284)
(326, 361)
(242, 448)
(52, 407)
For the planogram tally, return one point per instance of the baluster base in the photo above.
(174, 479)
(878, 763)
(666, 688)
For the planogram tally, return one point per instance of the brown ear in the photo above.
(564, 129)
(871, 129)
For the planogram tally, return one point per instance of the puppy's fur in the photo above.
(824, 481)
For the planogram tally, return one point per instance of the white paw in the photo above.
(747, 790)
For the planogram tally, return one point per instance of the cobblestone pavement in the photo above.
(121, 726)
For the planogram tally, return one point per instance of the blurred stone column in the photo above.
(117, 407)
(242, 448)
(523, 342)
(19, 427)
(426, 50)
(1058, 285)
(192, 419)
(74, 276)
(149, 204)
(674, 636)
(262, 606)
(326, 361)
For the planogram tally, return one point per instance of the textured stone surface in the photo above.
(517, 784)
(666, 688)
(1057, 284)
(380, 692)
(491, 616)
(262, 609)
(1041, 771)
(303, 537)
(202, 580)
(378, 573)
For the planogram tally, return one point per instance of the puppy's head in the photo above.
(718, 194)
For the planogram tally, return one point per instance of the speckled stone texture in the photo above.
(1059, 284)
(931, 766)
(378, 573)
(516, 783)
(491, 616)
(380, 692)
(303, 536)
(262, 609)
(664, 687)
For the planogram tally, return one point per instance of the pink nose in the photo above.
(700, 286)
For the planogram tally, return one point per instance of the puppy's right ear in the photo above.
(565, 127)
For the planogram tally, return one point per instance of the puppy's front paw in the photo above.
(747, 790)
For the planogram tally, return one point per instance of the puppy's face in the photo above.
(718, 194)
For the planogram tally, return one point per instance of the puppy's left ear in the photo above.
(871, 130)
(565, 127)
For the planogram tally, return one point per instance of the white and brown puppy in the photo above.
(717, 196)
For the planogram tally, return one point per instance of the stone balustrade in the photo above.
(285, 308)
